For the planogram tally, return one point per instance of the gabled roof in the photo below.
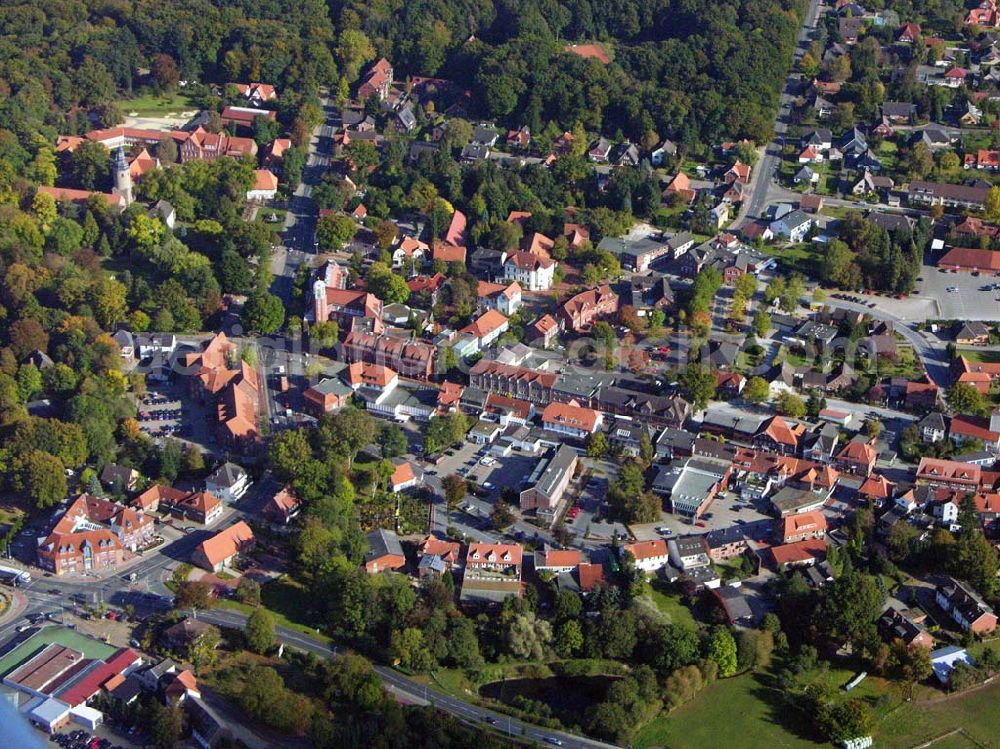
(641, 550)
(804, 522)
(226, 543)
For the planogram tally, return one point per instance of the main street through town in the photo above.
(298, 235)
(763, 187)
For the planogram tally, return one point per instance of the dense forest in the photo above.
(698, 72)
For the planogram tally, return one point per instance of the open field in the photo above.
(746, 711)
(151, 105)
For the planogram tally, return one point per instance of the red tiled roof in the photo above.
(973, 427)
(486, 324)
(402, 474)
(570, 415)
(590, 576)
(560, 557)
(449, 253)
(934, 469)
(545, 323)
(265, 179)
(876, 487)
(447, 550)
(805, 522)
(480, 552)
(970, 258)
(779, 430)
(529, 261)
(858, 452)
(79, 196)
(801, 551)
(647, 549)
(226, 543)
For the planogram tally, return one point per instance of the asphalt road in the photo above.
(297, 239)
(762, 182)
(412, 692)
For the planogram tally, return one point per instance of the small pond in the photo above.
(569, 697)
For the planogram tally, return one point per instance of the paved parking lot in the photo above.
(972, 301)
(722, 513)
(166, 411)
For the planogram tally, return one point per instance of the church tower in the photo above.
(122, 176)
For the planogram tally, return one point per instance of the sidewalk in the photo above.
(19, 602)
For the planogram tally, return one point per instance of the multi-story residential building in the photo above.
(93, 534)
(532, 272)
(377, 81)
(492, 573)
(219, 377)
(505, 298)
(580, 312)
(202, 145)
(649, 556)
(949, 473)
(517, 382)
(571, 420)
(804, 525)
(487, 328)
(547, 483)
(410, 358)
(965, 607)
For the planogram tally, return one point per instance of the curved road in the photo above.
(414, 693)
(935, 359)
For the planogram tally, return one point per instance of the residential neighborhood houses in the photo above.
(378, 358)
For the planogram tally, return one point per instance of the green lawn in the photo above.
(975, 712)
(670, 604)
(977, 355)
(747, 711)
(150, 105)
(285, 599)
(738, 712)
(804, 257)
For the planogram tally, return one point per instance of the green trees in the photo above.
(699, 385)
(789, 404)
(528, 638)
(455, 489)
(265, 698)
(193, 594)
(629, 499)
(630, 703)
(845, 720)
(597, 445)
(850, 607)
(756, 390)
(335, 230)
(408, 649)
(260, 634)
(443, 431)
(386, 285)
(392, 440)
(963, 398)
(721, 649)
(41, 477)
(263, 312)
(165, 725)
